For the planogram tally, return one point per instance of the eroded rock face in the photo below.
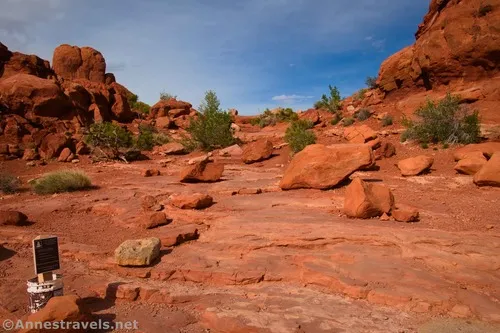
(52, 145)
(414, 166)
(72, 62)
(359, 134)
(455, 40)
(489, 175)
(364, 200)
(323, 167)
(257, 151)
(140, 252)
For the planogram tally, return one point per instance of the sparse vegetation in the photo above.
(332, 103)
(213, 127)
(270, 118)
(445, 121)
(148, 138)
(348, 121)
(299, 135)
(360, 95)
(109, 136)
(363, 114)
(165, 96)
(336, 119)
(62, 181)
(371, 82)
(8, 183)
(387, 121)
(484, 9)
(136, 105)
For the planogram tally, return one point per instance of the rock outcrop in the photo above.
(457, 41)
(72, 62)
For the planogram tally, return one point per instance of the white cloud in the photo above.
(291, 99)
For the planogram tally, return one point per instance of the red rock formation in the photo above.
(72, 62)
(457, 42)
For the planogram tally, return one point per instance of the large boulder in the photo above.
(489, 175)
(139, 252)
(471, 164)
(163, 108)
(202, 171)
(20, 63)
(364, 200)
(11, 217)
(323, 167)
(311, 115)
(192, 201)
(71, 62)
(69, 309)
(257, 151)
(486, 149)
(30, 96)
(414, 166)
(121, 109)
(52, 145)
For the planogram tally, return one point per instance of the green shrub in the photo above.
(213, 127)
(271, 118)
(336, 119)
(149, 137)
(387, 121)
(424, 145)
(347, 121)
(446, 121)
(359, 95)
(484, 10)
(298, 135)
(332, 103)
(62, 181)
(371, 82)
(8, 183)
(110, 136)
(141, 107)
(165, 96)
(363, 114)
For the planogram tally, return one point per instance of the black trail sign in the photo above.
(46, 253)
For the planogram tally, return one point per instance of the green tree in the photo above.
(212, 129)
(332, 103)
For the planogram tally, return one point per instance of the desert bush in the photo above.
(149, 137)
(136, 105)
(387, 120)
(484, 10)
(371, 82)
(332, 103)
(165, 96)
(270, 118)
(110, 136)
(348, 121)
(298, 135)
(336, 119)
(8, 183)
(363, 114)
(212, 129)
(62, 181)
(445, 121)
(360, 95)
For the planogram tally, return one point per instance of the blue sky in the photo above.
(253, 53)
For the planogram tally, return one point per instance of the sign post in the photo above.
(46, 256)
(46, 284)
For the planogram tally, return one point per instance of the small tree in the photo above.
(371, 82)
(445, 121)
(165, 96)
(332, 103)
(298, 135)
(213, 127)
